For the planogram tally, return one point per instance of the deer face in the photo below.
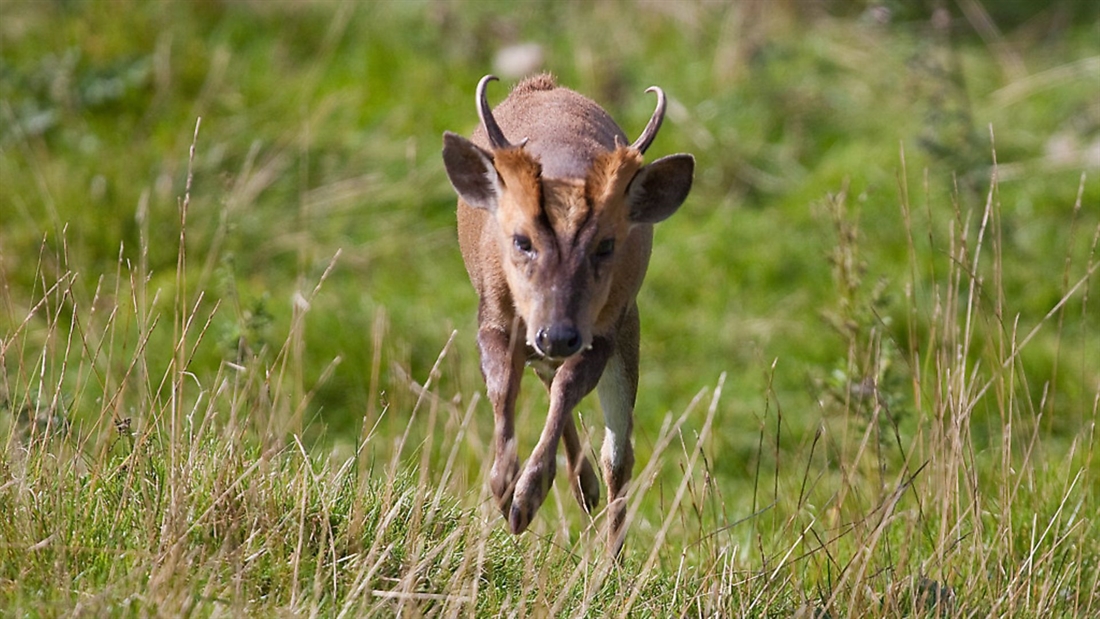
(558, 238)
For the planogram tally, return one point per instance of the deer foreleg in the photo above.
(576, 378)
(618, 389)
(583, 482)
(501, 365)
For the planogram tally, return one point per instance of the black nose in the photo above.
(558, 341)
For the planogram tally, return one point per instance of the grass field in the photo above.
(237, 360)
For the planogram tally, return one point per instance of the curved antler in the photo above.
(492, 129)
(644, 140)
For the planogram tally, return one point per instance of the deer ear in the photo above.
(471, 172)
(659, 188)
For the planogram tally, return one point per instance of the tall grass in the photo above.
(933, 483)
(240, 378)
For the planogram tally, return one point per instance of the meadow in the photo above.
(238, 372)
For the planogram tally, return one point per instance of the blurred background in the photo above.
(813, 122)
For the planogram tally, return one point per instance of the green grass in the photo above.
(871, 355)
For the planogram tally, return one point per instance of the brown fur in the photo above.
(610, 174)
(542, 81)
(521, 174)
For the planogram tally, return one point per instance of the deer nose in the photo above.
(558, 341)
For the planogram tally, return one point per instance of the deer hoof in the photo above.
(518, 519)
(531, 490)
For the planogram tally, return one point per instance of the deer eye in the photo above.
(605, 248)
(522, 244)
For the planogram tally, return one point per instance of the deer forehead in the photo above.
(569, 205)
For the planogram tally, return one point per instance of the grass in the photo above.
(238, 373)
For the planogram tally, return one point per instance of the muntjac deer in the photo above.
(556, 231)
